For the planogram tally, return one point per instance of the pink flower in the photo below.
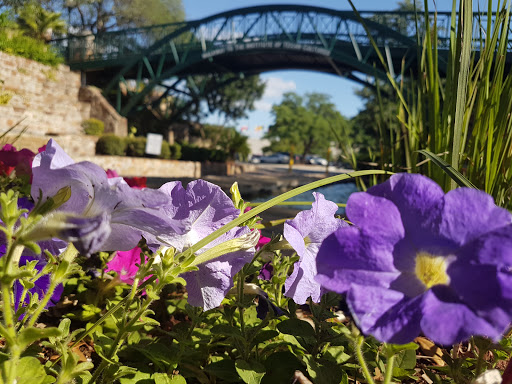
(111, 173)
(125, 264)
(136, 182)
(262, 241)
(14, 160)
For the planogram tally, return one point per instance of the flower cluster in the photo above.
(421, 261)
(412, 260)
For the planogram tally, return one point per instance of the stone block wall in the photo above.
(139, 166)
(45, 101)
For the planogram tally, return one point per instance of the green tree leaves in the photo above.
(304, 124)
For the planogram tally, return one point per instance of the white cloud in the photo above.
(277, 86)
(274, 90)
(262, 105)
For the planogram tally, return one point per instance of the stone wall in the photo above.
(138, 166)
(102, 110)
(44, 101)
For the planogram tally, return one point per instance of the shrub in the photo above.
(193, 153)
(175, 151)
(111, 145)
(24, 46)
(136, 146)
(166, 151)
(93, 127)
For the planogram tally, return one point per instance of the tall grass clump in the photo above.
(456, 105)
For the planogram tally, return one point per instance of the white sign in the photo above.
(154, 144)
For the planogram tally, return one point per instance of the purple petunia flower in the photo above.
(421, 261)
(305, 233)
(41, 286)
(119, 215)
(203, 208)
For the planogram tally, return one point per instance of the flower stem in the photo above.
(389, 369)
(362, 362)
(42, 304)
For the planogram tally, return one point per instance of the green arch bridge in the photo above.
(247, 41)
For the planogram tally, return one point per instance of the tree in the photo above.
(304, 125)
(35, 21)
(227, 139)
(235, 98)
(98, 16)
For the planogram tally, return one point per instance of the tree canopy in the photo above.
(304, 125)
(96, 16)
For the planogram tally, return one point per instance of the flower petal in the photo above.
(200, 209)
(447, 321)
(301, 284)
(459, 221)
(208, 286)
(350, 255)
(384, 313)
(376, 216)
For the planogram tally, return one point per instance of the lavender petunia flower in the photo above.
(421, 261)
(305, 233)
(120, 213)
(203, 208)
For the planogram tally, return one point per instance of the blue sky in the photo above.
(301, 82)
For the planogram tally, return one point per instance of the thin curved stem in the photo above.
(362, 362)
(389, 370)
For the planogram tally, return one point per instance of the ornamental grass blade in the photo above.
(276, 200)
(448, 169)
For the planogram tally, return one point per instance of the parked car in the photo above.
(275, 158)
(316, 160)
(255, 159)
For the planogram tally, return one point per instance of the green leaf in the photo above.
(138, 377)
(296, 327)
(406, 359)
(29, 335)
(448, 169)
(30, 371)
(224, 369)
(393, 349)
(250, 372)
(323, 371)
(226, 330)
(178, 379)
(264, 335)
(280, 367)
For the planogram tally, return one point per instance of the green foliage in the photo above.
(304, 125)
(111, 145)
(166, 151)
(459, 112)
(14, 43)
(194, 153)
(5, 97)
(36, 22)
(135, 146)
(227, 139)
(175, 151)
(235, 98)
(139, 13)
(93, 127)
(102, 15)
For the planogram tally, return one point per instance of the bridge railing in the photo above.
(320, 29)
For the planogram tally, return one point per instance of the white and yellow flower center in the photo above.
(431, 269)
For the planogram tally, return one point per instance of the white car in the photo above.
(316, 160)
